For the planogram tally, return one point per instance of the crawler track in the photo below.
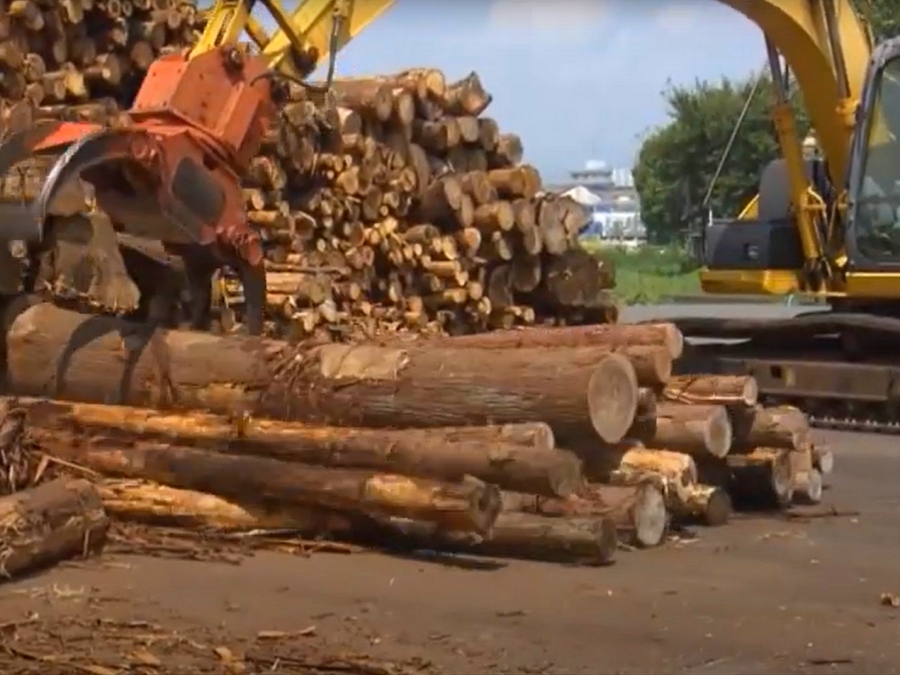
(842, 369)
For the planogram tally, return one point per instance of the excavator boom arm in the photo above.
(799, 30)
(303, 39)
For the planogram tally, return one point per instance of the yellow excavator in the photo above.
(825, 227)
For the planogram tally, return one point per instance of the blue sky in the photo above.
(577, 79)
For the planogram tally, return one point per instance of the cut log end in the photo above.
(55, 521)
(718, 434)
(808, 488)
(709, 504)
(649, 516)
(613, 398)
(823, 460)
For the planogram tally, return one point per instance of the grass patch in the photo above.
(647, 274)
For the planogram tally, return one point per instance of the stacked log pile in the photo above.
(392, 203)
(557, 443)
(422, 213)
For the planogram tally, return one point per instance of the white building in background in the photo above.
(609, 195)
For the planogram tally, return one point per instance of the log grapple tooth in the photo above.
(91, 150)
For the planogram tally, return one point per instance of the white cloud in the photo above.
(562, 16)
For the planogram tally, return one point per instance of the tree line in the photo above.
(677, 161)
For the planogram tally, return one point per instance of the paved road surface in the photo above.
(761, 595)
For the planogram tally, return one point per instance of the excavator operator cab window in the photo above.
(877, 202)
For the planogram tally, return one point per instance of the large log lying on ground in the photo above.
(586, 541)
(638, 511)
(55, 521)
(467, 506)
(62, 354)
(763, 478)
(514, 457)
(153, 504)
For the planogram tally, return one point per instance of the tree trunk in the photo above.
(730, 390)
(152, 504)
(609, 335)
(764, 478)
(638, 511)
(674, 472)
(61, 354)
(43, 525)
(782, 427)
(586, 541)
(468, 506)
(652, 363)
(698, 430)
(709, 504)
(449, 454)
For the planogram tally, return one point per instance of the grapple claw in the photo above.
(21, 145)
(92, 150)
(17, 221)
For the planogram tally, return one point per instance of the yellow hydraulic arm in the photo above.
(304, 39)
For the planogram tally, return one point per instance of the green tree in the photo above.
(882, 15)
(677, 161)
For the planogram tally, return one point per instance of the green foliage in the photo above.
(677, 162)
(650, 273)
(883, 16)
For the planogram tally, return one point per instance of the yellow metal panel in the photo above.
(313, 19)
(873, 285)
(750, 282)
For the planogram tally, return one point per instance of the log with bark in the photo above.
(150, 503)
(514, 457)
(55, 521)
(468, 505)
(583, 541)
(675, 472)
(728, 390)
(58, 353)
(638, 511)
(761, 479)
(708, 504)
(697, 430)
(611, 335)
(779, 427)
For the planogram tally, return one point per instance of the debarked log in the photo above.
(55, 521)
(514, 457)
(469, 505)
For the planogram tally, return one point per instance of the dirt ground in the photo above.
(761, 595)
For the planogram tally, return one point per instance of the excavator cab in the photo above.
(761, 251)
(873, 186)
